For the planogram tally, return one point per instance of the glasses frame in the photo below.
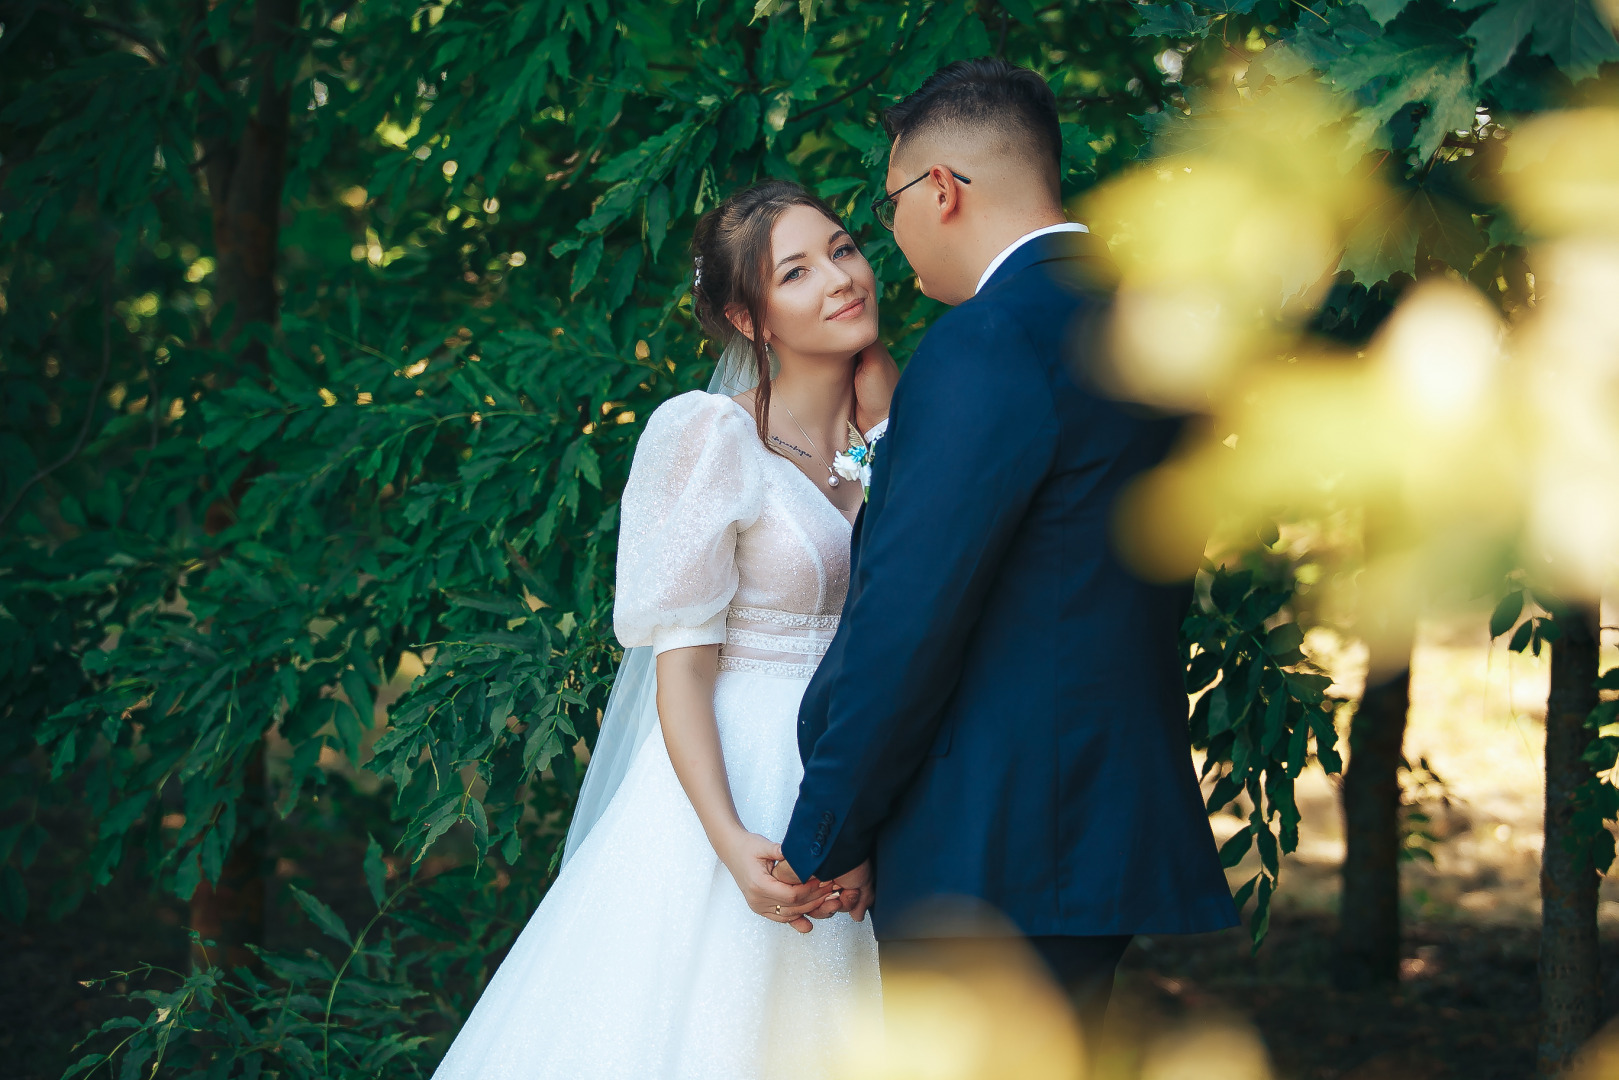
(889, 197)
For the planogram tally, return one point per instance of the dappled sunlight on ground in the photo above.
(1478, 719)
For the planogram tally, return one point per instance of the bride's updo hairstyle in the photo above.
(731, 254)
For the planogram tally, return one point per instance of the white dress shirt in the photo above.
(995, 264)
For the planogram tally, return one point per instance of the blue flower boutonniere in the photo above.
(855, 463)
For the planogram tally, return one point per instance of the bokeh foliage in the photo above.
(217, 529)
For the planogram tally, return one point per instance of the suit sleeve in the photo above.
(974, 435)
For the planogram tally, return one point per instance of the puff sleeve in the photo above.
(694, 485)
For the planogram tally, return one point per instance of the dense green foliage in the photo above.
(219, 530)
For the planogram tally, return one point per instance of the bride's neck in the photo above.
(819, 394)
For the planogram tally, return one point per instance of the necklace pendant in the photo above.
(832, 480)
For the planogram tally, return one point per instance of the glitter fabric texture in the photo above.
(644, 960)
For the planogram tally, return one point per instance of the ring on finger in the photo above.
(778, 909)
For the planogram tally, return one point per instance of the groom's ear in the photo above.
(946, 192)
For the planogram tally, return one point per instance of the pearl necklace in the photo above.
(831, 474)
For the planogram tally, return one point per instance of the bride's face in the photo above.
(822, 295)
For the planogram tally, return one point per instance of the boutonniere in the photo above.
(855, 463)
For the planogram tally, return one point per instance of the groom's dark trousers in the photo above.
(1001, 716)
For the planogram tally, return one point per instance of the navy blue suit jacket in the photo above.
(1002, 715)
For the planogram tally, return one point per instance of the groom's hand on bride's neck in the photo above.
(875, 375)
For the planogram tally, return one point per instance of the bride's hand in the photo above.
(875, 375)
(750, 858)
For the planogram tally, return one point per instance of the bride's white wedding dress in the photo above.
(644, 961)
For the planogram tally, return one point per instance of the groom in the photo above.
(1000, 723)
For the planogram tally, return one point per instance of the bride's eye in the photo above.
(793, 274)
(843, 250)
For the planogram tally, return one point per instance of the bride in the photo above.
(649, 957)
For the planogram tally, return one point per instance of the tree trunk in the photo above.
(231, 913)
(1570, 975)
(246, 172)
(246, 177)
(1367, 950)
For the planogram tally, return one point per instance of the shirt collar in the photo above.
(1067, 226)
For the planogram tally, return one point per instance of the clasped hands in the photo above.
(773, 891)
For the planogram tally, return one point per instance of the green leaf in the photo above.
(1174, 19)
(1382, 11)
(1397, 70)
(1285, 639)
(584, 268)
(1498, 32)
(188, 876)
(1240, 898)
(1219, 711)
(1520, 640)
(376, 871)
(1275, 721)
(1233, 850)
(322, 916)
(125, 814)
(657, 218)
(1571, 32)
(1266, 841)
(1505, 615)
(1259, 926)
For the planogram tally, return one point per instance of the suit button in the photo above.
(815, 848)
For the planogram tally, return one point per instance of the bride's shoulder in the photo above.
(698, 427)
(697, 415)
(697, 442)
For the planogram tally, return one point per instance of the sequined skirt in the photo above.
(644, 961)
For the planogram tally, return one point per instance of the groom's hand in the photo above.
(875, 375)
(857, 890)
(853, 892)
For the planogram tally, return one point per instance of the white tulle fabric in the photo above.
(644, 960)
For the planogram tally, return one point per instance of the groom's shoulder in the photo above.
(997, 320)
(976, 350)
(968, 333)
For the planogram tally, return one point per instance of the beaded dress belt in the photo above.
(786, 644)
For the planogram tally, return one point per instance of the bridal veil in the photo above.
(632, 705)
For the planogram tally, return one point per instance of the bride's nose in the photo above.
(838, 279)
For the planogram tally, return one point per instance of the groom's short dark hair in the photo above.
(985, 93)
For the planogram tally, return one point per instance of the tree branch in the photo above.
(153, 51)
(846, 95)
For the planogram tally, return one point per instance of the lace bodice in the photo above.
(724, 543)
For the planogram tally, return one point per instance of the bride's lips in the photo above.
(849, 310)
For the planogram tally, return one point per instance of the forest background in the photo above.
(328, 329)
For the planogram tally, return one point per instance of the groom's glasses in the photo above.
(884, 207)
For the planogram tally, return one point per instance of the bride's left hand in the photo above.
(875, 375)
(751, 859)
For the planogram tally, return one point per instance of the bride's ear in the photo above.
(739, 317)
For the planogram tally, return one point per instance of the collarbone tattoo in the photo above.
(783, 442)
